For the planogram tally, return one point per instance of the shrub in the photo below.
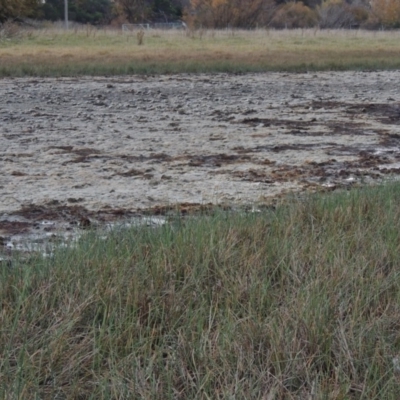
(294, 15)
(360, 14)
(9, 30)
(228, 13)
(335, 14)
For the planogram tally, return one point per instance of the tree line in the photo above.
(214, 14)
(94, 12)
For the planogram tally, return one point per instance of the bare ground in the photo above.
(78, 151)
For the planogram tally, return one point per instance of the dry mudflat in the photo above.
(80, 151)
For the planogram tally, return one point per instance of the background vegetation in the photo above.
(214, 14)
(301, 300)
(91, 51)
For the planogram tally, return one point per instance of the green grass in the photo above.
(54, 52)
(298, 301)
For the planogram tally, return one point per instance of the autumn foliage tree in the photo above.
(233, 13)
(386, 12)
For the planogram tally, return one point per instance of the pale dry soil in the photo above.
(79, 151)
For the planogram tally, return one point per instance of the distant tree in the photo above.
(91, 11)
(83, 11)
(18, 9)
(167, 10)
(53, 10)
(150, 10)
(134, 10)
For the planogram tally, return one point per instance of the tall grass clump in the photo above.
(300, 301)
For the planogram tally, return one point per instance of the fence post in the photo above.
(66, 13)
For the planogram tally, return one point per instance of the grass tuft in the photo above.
(140, 37)
(297, 301)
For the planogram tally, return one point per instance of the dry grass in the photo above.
(297, 302)
(103, 52)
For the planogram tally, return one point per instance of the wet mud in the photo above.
(78, 153)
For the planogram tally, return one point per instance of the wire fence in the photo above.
(156, 25)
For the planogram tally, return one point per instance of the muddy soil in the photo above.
(81, 151)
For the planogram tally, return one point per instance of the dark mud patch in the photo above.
(328, 105)
(339, 173)
(182, 209)
(216, 160)
(382, 112)
(303, 127)
(207, 160)
(83, 154)
(36, 228)
(73, 214)
(346, 128)
(134, 172)
(388, 146)
(290, 173)
(390, 140)
(39, 228)
(282, 147)
(154, 157)
(14, 227)
(87, 155)
(38, 220)
(285, 123)
(18, 173)
(211, 160)
(386, 113)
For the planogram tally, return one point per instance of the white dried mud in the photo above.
(75, 148)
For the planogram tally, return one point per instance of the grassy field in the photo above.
(299, 301)
(90, 51)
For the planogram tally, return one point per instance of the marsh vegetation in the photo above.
(300, 300)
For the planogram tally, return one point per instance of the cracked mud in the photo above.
(76, 152)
